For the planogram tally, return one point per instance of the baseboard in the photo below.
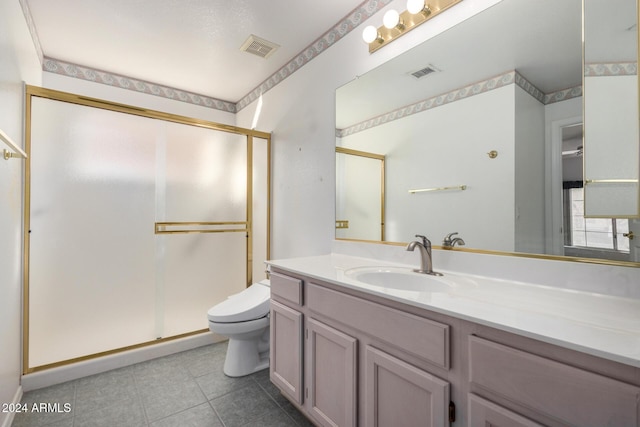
(85, 368)
(8, 419)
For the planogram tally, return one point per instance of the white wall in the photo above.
(529, 174)
(19, 63)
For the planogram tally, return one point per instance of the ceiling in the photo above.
(191, 45)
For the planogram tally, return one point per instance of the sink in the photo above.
(404, 279)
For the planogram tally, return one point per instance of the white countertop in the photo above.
(602, 325)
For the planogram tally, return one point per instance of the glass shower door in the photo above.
(202, 194)
(91, 261)
(137, 227)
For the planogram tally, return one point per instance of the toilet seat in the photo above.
(250, 304)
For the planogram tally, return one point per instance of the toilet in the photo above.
(244, 319)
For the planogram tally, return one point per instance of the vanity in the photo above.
(358, 341)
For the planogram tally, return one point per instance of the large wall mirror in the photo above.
(483, 133)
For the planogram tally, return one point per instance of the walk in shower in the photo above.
(136, 223)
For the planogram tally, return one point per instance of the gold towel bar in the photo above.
(610, 181)
(19, 153)
(422, 190)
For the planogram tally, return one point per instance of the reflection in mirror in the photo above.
(507, 80)
(360, 195)
(611, 109)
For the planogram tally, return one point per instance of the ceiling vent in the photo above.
(260, 47)
(429, 69)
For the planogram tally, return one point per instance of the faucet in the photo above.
(449, 243)
(426, 264)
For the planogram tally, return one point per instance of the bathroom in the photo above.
(303, 128)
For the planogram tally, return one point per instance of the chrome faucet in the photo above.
(426, 264)
(449, 243)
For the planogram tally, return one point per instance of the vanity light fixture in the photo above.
(371, 34)
(418, 6)
(392, 20)
(396, 24)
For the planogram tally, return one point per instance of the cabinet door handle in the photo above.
(630, 235)
(452, 412)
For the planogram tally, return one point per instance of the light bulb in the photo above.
(391, 19)
(370, 34)
(415, 6)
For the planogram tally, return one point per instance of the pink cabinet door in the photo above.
(483, 413)
(332, 375)
(400, 395)
(285, 367)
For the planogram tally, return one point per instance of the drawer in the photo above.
(481, 412)
(423, 338)
(286, 288)
(564, 393)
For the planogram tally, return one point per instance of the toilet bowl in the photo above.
(244, 319)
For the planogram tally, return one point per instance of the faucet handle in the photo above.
(424, 239)
(448, 237)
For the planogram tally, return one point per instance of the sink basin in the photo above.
(404, 279)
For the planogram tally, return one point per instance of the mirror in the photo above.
(471, 125)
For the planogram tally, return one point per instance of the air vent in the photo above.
(424, 71)
(260, 47)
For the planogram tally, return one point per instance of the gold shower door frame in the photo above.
(159, 227)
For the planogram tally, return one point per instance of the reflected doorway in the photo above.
(360, 184)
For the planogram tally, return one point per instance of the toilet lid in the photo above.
(250, 304)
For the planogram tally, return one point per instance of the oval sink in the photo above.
(399, 278)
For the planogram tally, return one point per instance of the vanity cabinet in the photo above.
(286, 351)
(399, 394)
(359, 363)
(313, 364)
(346, 357)
(331, 373)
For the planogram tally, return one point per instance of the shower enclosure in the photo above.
(136, 223)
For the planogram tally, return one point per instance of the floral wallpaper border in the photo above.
(611, 69)
(123, 82)
(505, 79)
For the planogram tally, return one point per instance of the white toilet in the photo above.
(244, 319)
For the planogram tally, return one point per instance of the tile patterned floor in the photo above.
(183, 389)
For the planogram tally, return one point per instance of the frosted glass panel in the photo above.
(611, 200)
(92, 270)
(205, 180)
(202, 270)
(206, 174)
(260, 207)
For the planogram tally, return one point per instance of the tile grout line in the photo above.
(139, 397)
